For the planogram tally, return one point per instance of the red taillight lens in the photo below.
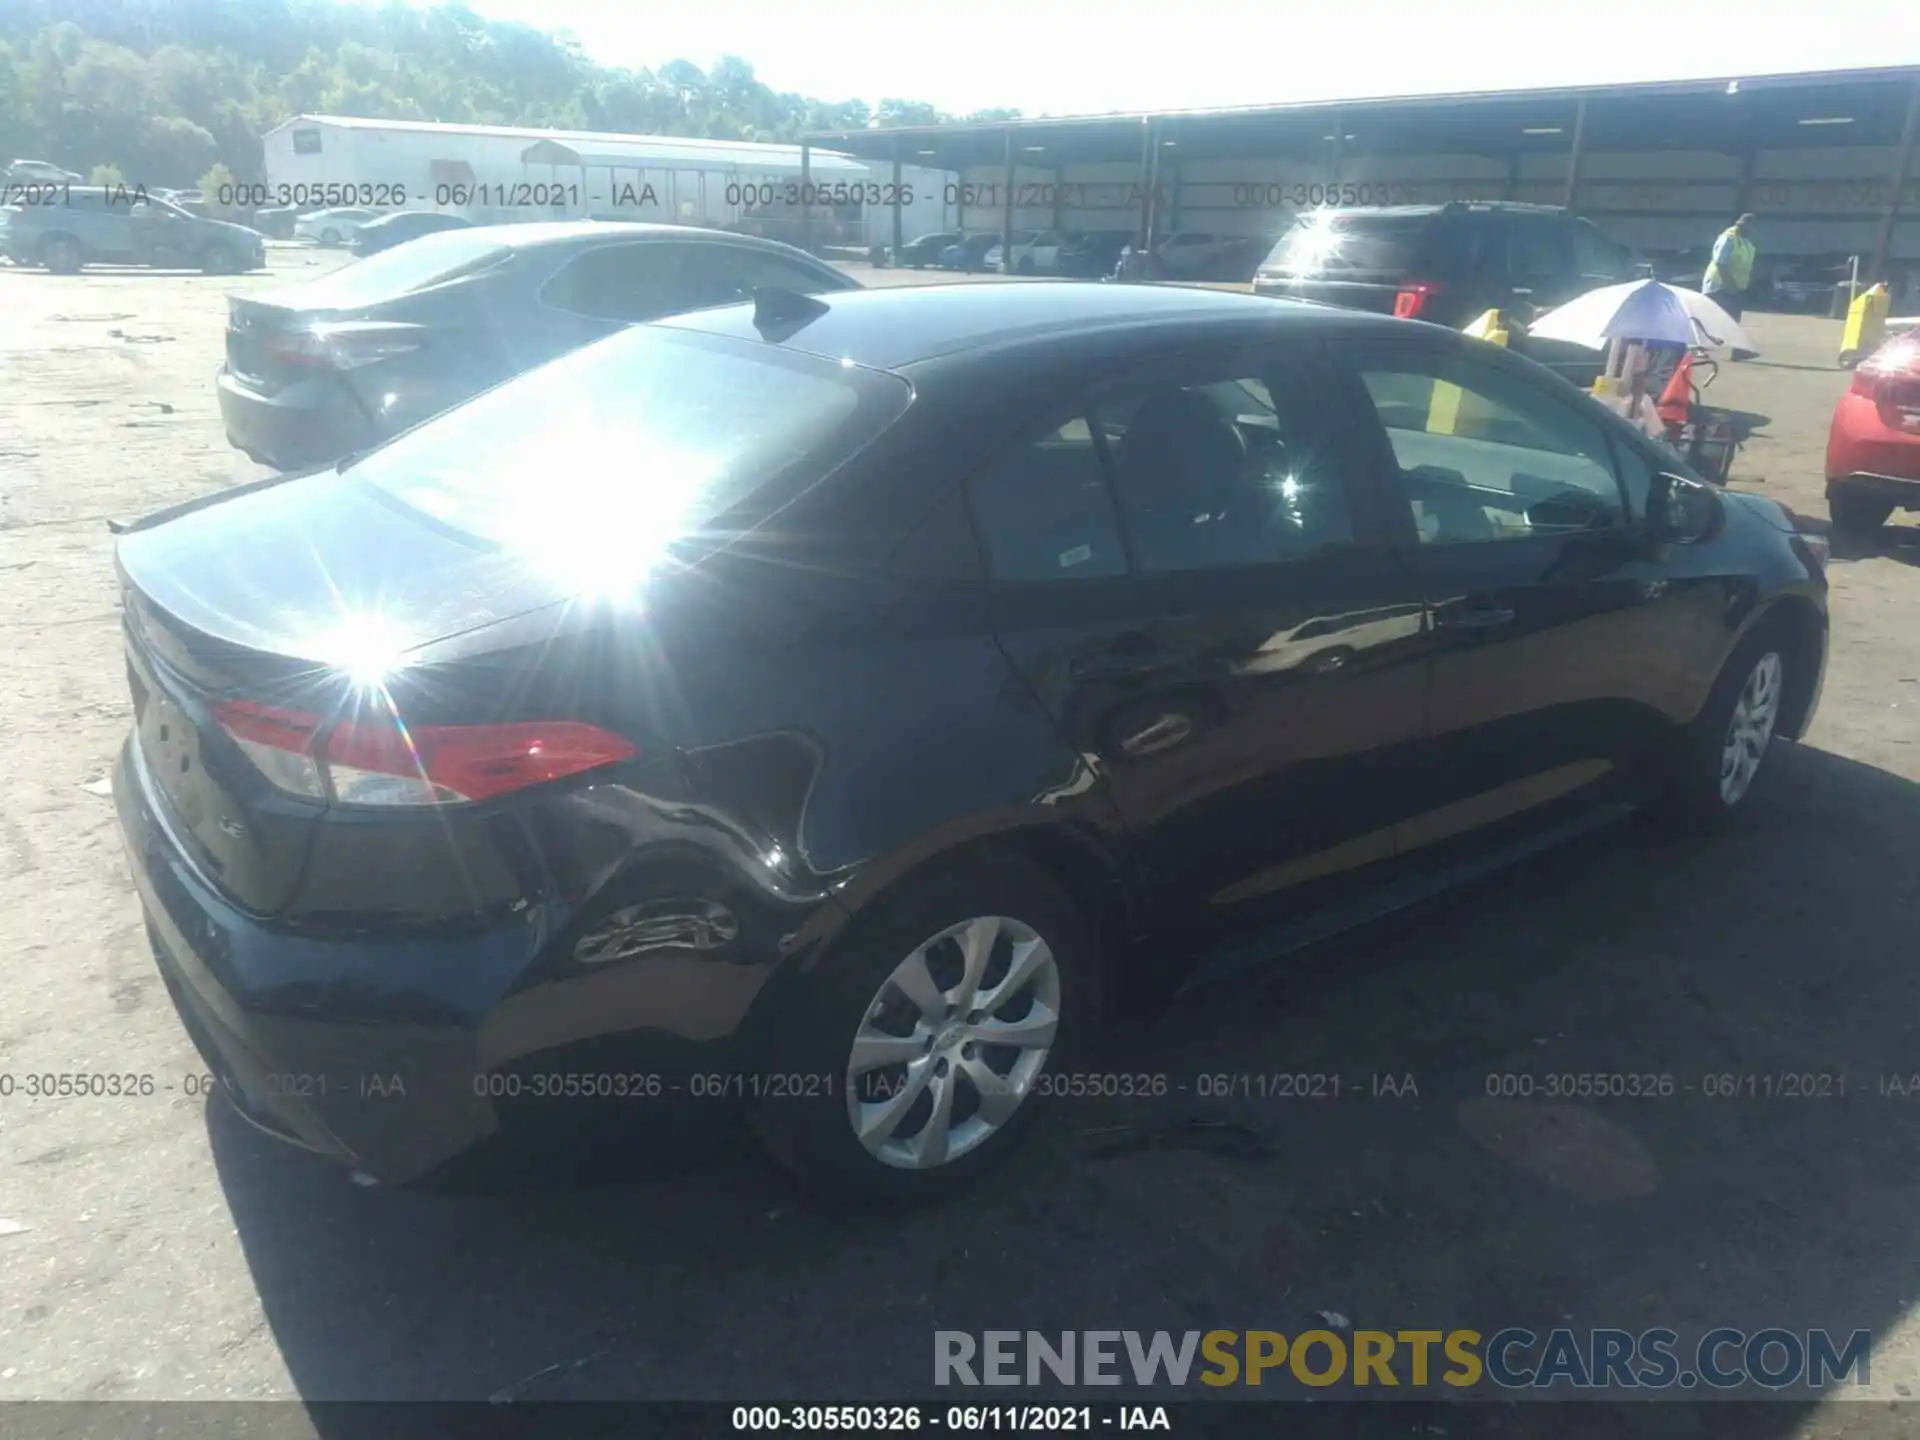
(343, 346)
(1412, 299)
(374, 762)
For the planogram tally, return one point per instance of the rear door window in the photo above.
(630, 282)
(1536, 249)
(729, 274)
(1044, 513)
(1596, 257)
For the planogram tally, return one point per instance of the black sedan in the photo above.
(332, 367)
(391, 230)
(924, 250)
(1093, 254)
(837, 708)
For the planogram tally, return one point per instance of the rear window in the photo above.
(430, 260)
(1379, 244)
(626, 445)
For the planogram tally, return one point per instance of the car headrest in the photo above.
(1179, 446)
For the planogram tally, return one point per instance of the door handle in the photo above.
(1129, 664)
(1474, 617)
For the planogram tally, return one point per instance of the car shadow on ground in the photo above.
(1781, 948)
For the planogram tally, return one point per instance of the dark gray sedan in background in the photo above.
(337, 365)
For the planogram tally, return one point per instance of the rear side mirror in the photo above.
(1682, 510)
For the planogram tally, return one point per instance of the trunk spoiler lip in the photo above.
(203, 502)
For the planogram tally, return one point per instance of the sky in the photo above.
(1070, 57)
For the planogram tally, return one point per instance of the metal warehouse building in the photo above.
(499, 173)
(1824, 161)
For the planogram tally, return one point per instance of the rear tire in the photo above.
(867, 990)
(1715, 762)
(329, 237)
(1854, 513)
(61, 254)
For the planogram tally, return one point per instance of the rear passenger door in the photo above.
(1555, 635)
(1182, 575)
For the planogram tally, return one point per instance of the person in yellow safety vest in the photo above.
(1730, 271)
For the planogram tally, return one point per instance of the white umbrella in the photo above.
(1643, 310)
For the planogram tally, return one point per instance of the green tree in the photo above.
(163, 90)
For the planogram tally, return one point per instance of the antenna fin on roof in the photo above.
(776, 308)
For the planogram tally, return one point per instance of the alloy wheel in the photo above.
(1750, 729)
(949, 1048)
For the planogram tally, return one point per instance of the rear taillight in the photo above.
(1412, 299)
(379, 762)
(1890, 377)
(344, 346)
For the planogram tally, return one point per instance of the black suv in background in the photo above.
(1450, 264)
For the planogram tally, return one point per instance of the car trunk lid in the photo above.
(287, 600)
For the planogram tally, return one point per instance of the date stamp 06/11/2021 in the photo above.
(1831, 1084)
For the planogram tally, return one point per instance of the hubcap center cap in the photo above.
(950, 1036)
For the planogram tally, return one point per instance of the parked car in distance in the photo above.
(92, 226)
(336, 365)
(391, 230)
(332, 227)
(1449, 264)
(924, 250)
(770, 692)
(24, 170)
(1873, 444)
(1193, 254)
(276, 222)
(969, 254)
(1802, 285)
(1093, 254)
(1035, 252)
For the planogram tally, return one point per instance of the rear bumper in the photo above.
(347, 1074)
(1905, 494)
(396, 1053)
(309, 423)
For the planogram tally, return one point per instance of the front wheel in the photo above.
(1717, 759)
(218, 260)
(933, 1033)
(1853, 513)
(329, 237)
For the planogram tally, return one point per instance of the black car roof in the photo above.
(885, 328)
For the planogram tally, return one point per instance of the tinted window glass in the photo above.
(430, 260)
(1597, 257)
(728, 275)
(1214, 475)
(1636, 477)
(1535, 248)
(1485, 457)
(625, 445)
(623, 282)
(1044, 513)
(1384, 244)
(306, 142)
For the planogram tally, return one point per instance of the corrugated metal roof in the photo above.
(608, 147)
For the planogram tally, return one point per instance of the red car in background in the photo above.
(1873, 449)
